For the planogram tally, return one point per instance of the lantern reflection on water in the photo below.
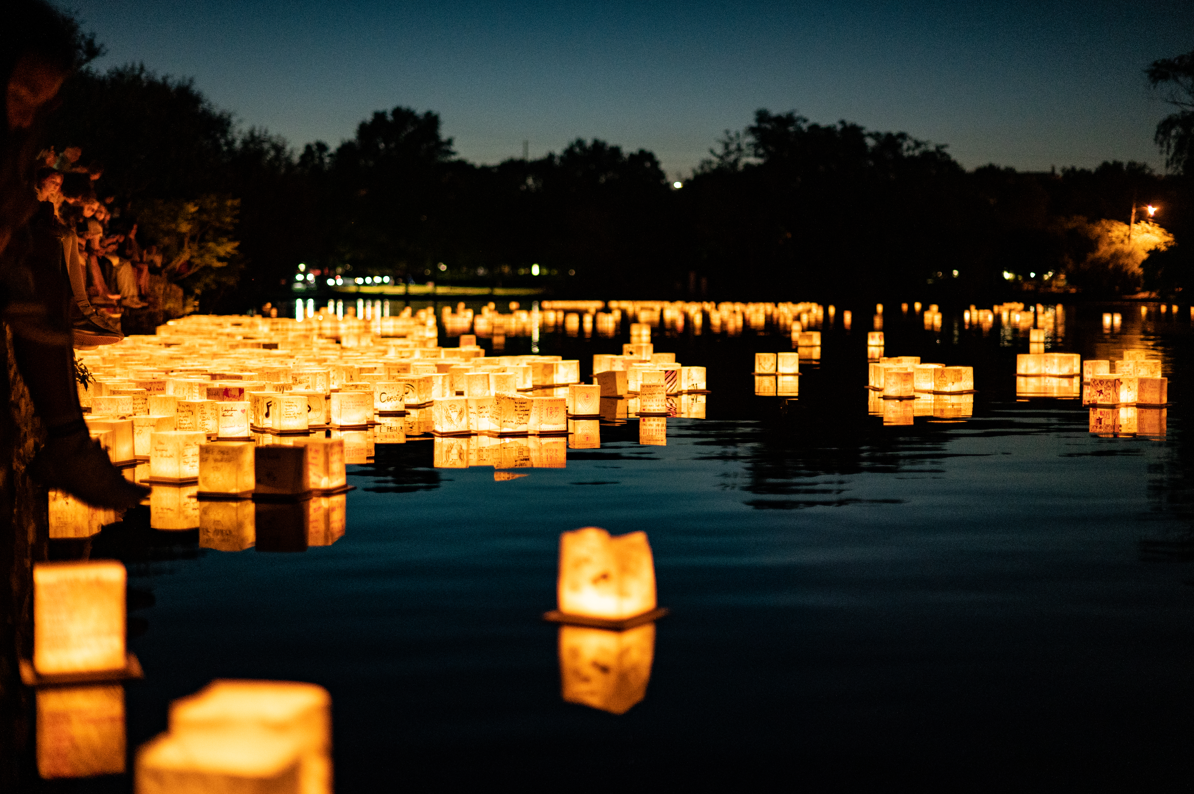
(80, 731)
(72, 518)
(297, 713)
(607, 670)
(652, 431)
(584, 433)
(174, 508)
(227, 525)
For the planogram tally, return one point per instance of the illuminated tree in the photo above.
(1175, 132)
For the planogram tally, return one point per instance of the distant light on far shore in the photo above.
(677, 184)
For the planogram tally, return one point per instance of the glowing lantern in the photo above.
(1106, 321)
(922, 377)
(477, 384)
(605, 580)
(174, 508)
(387, 397)
(513, 414)
(952, 380)
(898, 383)
(247, 760)
(809, 339)
(282, 471)
(787, 363)
(1036, 335)
(80, 731)
(692, 379)
(233, 419)
(139, 399)
(606, 670)
(187, 388)
(1030, 364)
(78, 618)
(652, 431)
(874, 338)
(174, 455)
(1103, 390)
(112, 406)
(482, 414)
(290, 413)
(548, 415)
(1152, 391)
(326, 462)
(121, 444)
(612, 383)
(764, 363)
(652, 400)
(227, 525)
(351, 408)
(584, 400)
(72, 518)
(227, 467)
(1061, 364)
(1092, 367)
(298, 713)
(162, 404)
(1129, 388)
(450, 416)
(262, 409)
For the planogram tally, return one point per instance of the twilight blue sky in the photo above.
(1030, 85)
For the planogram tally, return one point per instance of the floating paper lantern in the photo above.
(692, 379)
(1129, 388)
(1103, 390)
(1152, 391)
(233, 419)
(787, 363)
(1030, 364)
(612, 384)
(605, 579)
(652, 431)
(262, 409)
(139, 399)
(584, 400)
(282, 471)
(477, 384)
(764, 363)
(245, 760)
(1061, 364)
(1106, 321)
(898, 383)
(80, 731)
(78, 617)
(922, 377)
(114, 406)
(388, 397)
(174, 508)
(874, 338)
(513, 414)
(606, 670)
(952, 380)
(71, 518)
(482, 414)
(174, 455)
(227, 525)
(548, 415)
(300, 713)
(290, 413)
(809, 339)
(227, 467)
(326, 462)
(351, 408)
(162, 404)
(652, 400)
(450, 416)
(1092, 367)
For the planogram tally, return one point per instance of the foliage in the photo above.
(1113, 259)
(1175, 132)
(194, 236)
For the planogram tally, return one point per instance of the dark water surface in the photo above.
(1003, 600)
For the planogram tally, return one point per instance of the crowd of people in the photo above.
(106, 265)
(54, 247)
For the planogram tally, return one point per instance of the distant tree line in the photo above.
(784, 206)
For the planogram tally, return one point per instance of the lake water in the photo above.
(1002, 599)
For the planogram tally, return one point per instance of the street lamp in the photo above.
(1152, 210)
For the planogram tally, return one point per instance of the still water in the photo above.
(998, 599)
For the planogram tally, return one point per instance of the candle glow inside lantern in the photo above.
(327, 466)
(245, 760)
(874, 338)
(387, 397)
(953, 380)
(692, 379)
(603, 669)
(1093, 366)
(227, 467)
(79, 617)
(450, 416)
(80, 731)
(584, 400)
(605, 581)
(513, 414)
(298, 713)
(351, 408)
(121, 439)
(898, 383)
(174, 455)
(162, 404)
(787, 363)
(290, 414)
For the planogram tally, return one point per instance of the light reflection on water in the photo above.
(949, 591)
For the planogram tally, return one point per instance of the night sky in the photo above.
(1020, 84)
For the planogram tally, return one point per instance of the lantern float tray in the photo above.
(274, 498)
(131, 670)
(555, 616)
(168, 481)
(217, 496)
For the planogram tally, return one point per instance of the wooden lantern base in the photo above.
(555, 616)
(131, 670)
